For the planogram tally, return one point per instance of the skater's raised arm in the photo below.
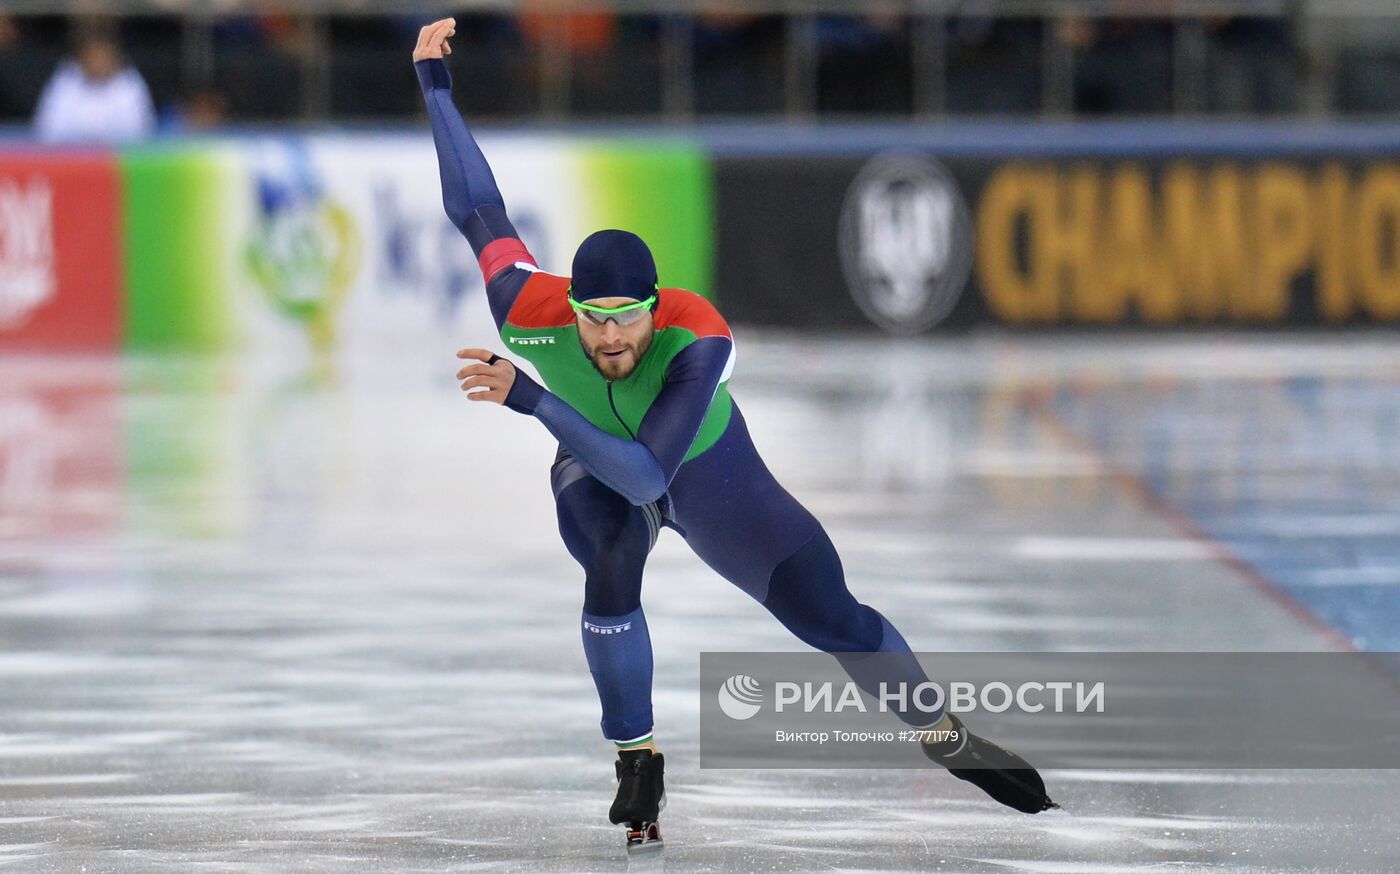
(469, 192)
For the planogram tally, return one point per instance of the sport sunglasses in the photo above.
(626, 314)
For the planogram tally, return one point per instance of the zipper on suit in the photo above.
(612, 403)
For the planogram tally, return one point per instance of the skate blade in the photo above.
(644, 840)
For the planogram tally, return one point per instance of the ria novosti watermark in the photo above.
(741, 697)
(1109, 710)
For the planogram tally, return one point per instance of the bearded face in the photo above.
(615, 350)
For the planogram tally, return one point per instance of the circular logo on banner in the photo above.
(906, 242)
(740, 697)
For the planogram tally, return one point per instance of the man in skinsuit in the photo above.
(637, 396)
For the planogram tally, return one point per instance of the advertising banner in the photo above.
(907, 241)
(328, 242)
(59, 258)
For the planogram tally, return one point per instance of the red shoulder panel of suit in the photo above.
(686, 309)
(542, 303)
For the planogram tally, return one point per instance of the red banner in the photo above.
(60, 266)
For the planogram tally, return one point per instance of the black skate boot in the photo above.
(641, 796)
(1002, 774)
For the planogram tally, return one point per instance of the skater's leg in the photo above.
(758, 537)
(610, 538)
(807, 593)
(761, 539)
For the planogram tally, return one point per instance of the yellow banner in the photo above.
(1190, 242)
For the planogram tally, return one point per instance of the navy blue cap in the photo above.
(613, 263)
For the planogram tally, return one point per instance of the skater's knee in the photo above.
(617, 554)
(612, 570)
(855, 631)
(610, 540)
(612, 594)
(595, 520)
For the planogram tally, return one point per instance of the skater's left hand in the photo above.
(432, 40)
(495, 374)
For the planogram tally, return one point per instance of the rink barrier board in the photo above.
(322, 242)
(176, 245)
(309, 242)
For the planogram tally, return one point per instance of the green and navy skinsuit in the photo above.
(666, 446)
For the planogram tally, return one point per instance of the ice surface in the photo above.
(263, 616)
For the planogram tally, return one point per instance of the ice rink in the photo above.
(300, 617)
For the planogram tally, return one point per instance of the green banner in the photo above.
(176, 244)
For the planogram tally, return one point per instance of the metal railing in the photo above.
(1313, 24)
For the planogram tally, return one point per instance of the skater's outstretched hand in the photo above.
(495, 374)
(432, 40)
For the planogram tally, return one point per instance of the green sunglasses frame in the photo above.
(608, 311)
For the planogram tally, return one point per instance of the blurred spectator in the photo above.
(995, 63)
(9, 37)
(204, 108)
(96, 97)
(863, 63)
(1254, 65)
(1368, 64)
(594, 63)
(1121, 65)
(573, 45)
(259, 60)
(274, 28)
(586, 35)
(738, 62)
